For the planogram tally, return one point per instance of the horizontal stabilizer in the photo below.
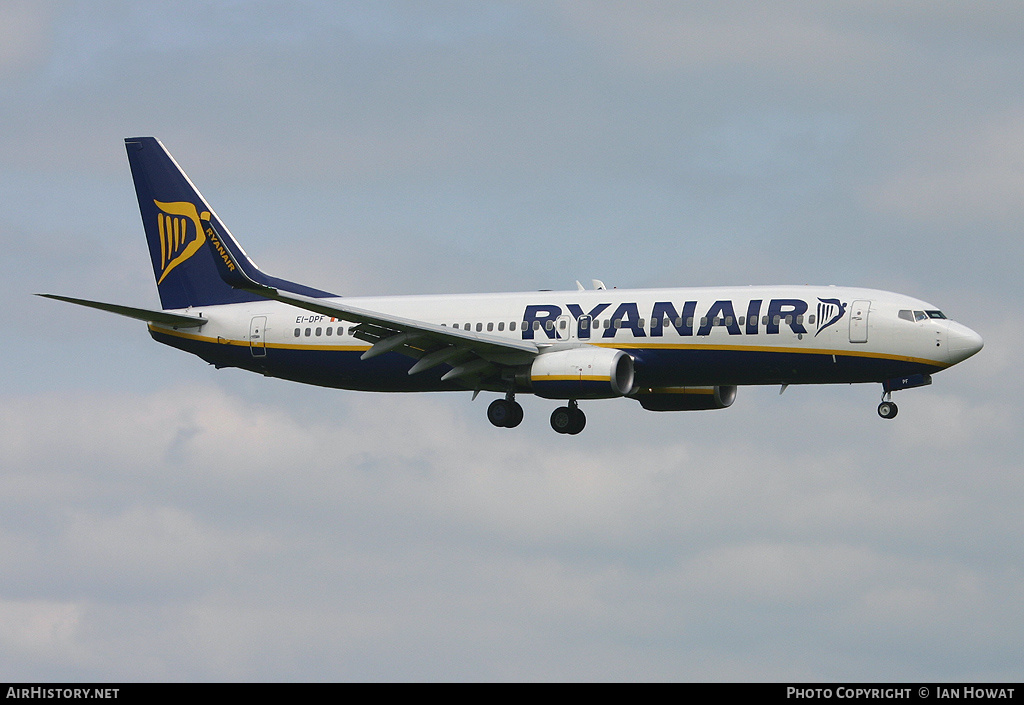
(141, 314)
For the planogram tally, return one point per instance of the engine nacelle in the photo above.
(686, 398)
(582, 373)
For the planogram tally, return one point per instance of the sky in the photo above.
(162, 520)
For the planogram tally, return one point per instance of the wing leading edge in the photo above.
(472, 355)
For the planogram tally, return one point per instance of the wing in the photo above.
(142, 314)
(471, 355)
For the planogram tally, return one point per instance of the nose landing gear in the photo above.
(887, 409)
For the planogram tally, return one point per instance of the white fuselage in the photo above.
(712, 335)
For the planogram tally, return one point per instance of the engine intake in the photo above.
(582, 373)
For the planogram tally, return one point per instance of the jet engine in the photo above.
(586, 372)
(686, 398)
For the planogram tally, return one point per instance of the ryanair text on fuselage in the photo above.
(758, 317)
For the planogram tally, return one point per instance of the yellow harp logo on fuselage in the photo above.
(180, 227)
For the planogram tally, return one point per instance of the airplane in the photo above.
(679, 349)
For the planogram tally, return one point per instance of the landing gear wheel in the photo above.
(517, 415)
(578, 422)
(888, 410)
(561, 419)
(568, 419)
(505, 413)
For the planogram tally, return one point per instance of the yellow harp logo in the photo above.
(181, 233)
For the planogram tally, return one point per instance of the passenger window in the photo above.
(728, 320)
(501, 326)
(561, 324)
(810, 320)
(298, 332)
(330, 331)
(512, 325)
(584, 323)
(641, 323)
(319, 332)
(455, 325)
(308, 332)
(479, 327)
(490, 326)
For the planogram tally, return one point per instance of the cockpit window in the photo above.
(918, 316)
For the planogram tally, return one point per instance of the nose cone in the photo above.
(962, 342)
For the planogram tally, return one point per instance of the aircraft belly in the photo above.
(702, 367)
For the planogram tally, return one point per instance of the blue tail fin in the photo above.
(177, 219)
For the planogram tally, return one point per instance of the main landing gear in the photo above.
(507, 413)
(568, 419)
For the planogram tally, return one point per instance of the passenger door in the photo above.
(257, 336)
(859, 311)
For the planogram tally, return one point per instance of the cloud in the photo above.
(37, 627)
(400, 536)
